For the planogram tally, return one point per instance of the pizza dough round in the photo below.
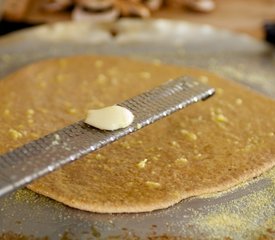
(207, 147)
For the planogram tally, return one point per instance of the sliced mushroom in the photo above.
(153, 5)
(57, 5)
(95, 4)
(80, 14)
(200, 5)
(132, 9)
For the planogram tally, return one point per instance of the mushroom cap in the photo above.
(80, 14)
(57, 5)
(95, 4)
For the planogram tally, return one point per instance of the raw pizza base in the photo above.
(207, 147)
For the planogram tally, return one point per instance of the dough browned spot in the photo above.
(210, 146)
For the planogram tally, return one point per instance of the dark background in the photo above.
(7, 27)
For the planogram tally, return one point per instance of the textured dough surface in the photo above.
(208, 147)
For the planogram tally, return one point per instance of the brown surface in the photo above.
(237, 15)
(225, 140)
(15, 10)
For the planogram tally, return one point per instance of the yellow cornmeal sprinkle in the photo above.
(59, 78)
(98, 63)
(42, 84)
(181, 161)
(30, 112)
(99, 156)
(225, 220)
(71, 110)
(271, 134)
(15, 135)
(239, 101)
(189, 135)
(101, 79)
(145, 75)
(125, 144)
(6, 112)
(34, 200)
(218, 116)
(250, 215)
(142, 164)
(203, 79)
(152, 184)
(219, 91)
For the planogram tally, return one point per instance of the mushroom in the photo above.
(204, 6)
(109, 15)
(57, 5)
(95, 4)
(153, 5)
(132, 8)
(109, 10)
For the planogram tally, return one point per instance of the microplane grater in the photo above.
(37, 158)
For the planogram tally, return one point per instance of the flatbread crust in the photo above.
(208, 147)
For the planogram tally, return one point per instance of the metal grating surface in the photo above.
(35, 159)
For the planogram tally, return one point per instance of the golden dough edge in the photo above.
(162, 204)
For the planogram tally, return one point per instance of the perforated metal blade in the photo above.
(35, 159)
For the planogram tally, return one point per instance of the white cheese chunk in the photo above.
(110, 118)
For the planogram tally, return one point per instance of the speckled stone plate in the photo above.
(245, 212)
